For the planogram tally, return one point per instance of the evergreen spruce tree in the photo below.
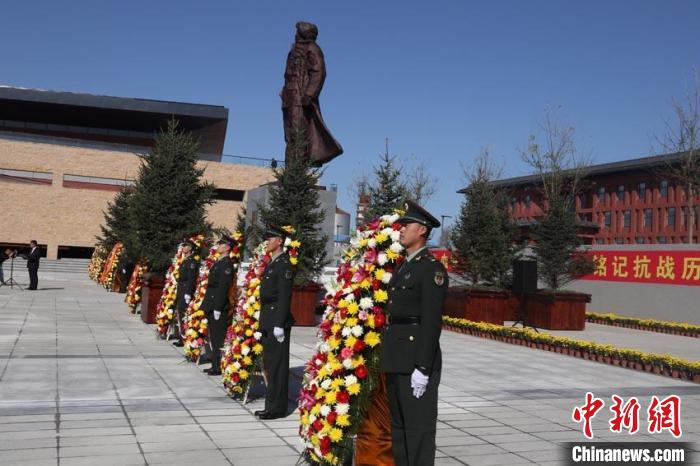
(484, 236)
(388, 191)
(557, 244)
(116, 220)
(294, 200)
(170, 198)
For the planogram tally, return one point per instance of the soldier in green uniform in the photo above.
(411, 356)
(276, 323)
(215, 302)
(186, 284)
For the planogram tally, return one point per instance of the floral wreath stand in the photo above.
(258, 371)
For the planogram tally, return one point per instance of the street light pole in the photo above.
(442, 226)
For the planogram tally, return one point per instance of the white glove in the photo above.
(217, 314)
(188, 298)
(124, 271)
(419, 382)
(279, 334)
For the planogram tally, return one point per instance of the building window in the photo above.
(661, 239)
(621, 193)
(513, 203)
(619, 240)
(642, 191)
(627, 219)
(607, 219)
(528, 200)
(647, 218)
(601, 194)
(663, 189)
(639, 239)
(671, 217)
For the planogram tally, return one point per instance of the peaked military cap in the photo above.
(225, 239)
(417, 214)
(188, 242)
(272, 231)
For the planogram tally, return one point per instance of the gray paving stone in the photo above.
(499, 403)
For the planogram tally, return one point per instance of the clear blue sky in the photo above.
(441, 79)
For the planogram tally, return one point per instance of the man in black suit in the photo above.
(33, 264)
(276, 323)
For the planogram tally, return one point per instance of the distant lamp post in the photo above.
(442, 226)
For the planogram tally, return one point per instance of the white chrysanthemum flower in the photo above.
(372, 243)
(342, 408)
(325, 410)
(381, 259)
(312, 417)
(346, 331)
(237, 365)
(245, 351)
(205, 321)
(347, 291)
(386, 278)
(325, 348)
(350, 297)
(326, 384)
(366, 303)
(350, 380)
(287, 241)
(256, 315)
(257, 335)
(354, 242)
(347, 363)
(395, 235)
(357, 331)
(396, 247)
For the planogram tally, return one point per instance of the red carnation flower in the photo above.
(361, 371)
(358, 346)
(331, 417)
(379, 319)
(343, 396)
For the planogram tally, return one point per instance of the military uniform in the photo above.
(186, 284)
(275, 299)
(411, 342)
(215, 303)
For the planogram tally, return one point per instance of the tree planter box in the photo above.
(151, 289)
(304, 302)
(558, 310)
(480, 304)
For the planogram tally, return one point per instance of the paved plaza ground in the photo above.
(83, 382)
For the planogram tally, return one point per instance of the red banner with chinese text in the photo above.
(669, 267)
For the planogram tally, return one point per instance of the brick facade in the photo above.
(70, 215)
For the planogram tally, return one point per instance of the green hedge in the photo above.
(664, 361)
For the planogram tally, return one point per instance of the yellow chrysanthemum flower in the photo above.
(380, 296)
(372, 339)
(353, 308)
(343, 420)
(353, 389)
(335, 435)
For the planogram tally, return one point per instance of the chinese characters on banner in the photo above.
(669, 267)
(662, 415)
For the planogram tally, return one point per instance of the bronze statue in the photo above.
(303, 81)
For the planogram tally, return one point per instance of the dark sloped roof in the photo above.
(642, 163)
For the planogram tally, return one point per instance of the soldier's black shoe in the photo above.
(203, 361)
(207, 370)
(260, 413)
(269, 416)
(214, 372)
(178, 344)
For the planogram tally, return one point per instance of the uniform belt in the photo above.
(400, 320)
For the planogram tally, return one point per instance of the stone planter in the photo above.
(151, 289)
(554, 310)
(489, 305)
(304, 302)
